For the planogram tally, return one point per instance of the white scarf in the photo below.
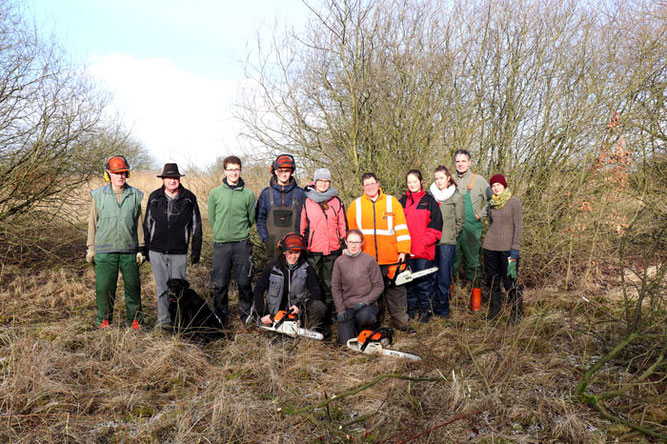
(442, 196)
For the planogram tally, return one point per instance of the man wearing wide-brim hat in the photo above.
(172, 219)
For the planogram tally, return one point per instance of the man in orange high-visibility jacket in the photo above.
(386, 237)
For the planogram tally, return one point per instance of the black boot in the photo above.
(516, 298)
(495, 306)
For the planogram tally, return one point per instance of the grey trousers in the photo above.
(165, 267)
(396, 301)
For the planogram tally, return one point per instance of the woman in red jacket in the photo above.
(424, 219)
(323, 226)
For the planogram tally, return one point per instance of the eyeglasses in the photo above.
(370, 184)
(233, 170)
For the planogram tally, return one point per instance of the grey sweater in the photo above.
(355, 279)
(506, 227)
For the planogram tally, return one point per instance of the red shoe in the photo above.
(136, 325)
(104, 324)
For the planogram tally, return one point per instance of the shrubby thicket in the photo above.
(55, 131)
(566, 98)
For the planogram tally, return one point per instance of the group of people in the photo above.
(328, 263)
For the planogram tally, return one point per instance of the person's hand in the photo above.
(90, 255)
(401, 257)
(477, 216)
(359, 305)
(342, 317)
(140, 258)
(266, 320)
(511, 268)
(294, 309)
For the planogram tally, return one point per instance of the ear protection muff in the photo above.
(291, 240)
(281, 161)
(107, 167)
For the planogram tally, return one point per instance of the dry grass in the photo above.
(63, 381)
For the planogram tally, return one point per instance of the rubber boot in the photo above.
(516, 296)
(476, 300)
(495, 306)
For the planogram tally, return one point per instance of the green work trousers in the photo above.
(106, 275)
(469, 246)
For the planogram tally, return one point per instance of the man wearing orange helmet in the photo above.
(279, 205)
(116, 242)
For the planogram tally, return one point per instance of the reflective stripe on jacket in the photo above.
(383, 224)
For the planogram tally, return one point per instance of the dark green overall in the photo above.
(468, 243)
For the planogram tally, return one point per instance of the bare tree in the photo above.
(53, 132)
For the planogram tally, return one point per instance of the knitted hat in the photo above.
(322, 174)
(291, 241)
(498, 178)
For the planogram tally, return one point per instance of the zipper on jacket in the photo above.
(375, 234)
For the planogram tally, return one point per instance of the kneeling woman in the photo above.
(290, 283)
(356, 284)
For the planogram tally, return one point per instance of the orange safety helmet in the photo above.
(116, 164)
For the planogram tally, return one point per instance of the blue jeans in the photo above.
(444, 256)
(420, 291)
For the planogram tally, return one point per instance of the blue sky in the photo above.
(173, 67)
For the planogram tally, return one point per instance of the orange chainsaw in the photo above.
(287, 323)
(374, 342)
(400, 274)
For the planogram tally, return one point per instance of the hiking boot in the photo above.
(425, 317)
(408, 329)
(136, 325)
(104, 324)
(411, 313)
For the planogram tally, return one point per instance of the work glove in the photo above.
(342, 317)
(359, 305)
(514, 254)
(511, 268)
(194, 260)
(90, 255)
(140, 258)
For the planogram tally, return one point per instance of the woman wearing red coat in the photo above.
(424, 219)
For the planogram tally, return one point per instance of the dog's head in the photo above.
(176, 288)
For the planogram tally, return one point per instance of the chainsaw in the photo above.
(287, 323)
(400, 274)
(374, 342)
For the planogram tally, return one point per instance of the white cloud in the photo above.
(180, 116)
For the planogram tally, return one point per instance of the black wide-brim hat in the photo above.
(170, 170)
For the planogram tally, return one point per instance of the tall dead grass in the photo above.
(63, 381)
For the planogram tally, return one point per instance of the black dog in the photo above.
(190, 314)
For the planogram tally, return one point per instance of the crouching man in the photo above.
(116, 242)
(290, 283)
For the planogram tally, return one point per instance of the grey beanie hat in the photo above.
(322, 174)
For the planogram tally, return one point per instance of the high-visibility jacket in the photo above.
(383, 224)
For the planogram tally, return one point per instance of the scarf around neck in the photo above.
(499, 201)
(443, 195)
(317, 197)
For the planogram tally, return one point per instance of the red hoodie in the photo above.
(424, 219)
